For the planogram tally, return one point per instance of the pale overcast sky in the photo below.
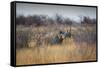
(72, 12)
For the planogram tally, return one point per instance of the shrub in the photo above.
(22, 38)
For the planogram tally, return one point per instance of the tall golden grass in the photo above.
(68, 51)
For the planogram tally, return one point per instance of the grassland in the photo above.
(79, 47)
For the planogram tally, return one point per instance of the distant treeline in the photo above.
(38, 20)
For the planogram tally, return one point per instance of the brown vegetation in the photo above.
(33, 45)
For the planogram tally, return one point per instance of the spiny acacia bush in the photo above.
(42, 20)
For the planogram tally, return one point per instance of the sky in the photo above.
(72, 12)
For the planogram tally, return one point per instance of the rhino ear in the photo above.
(60, 32)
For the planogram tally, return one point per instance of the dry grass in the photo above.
(68, 51)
